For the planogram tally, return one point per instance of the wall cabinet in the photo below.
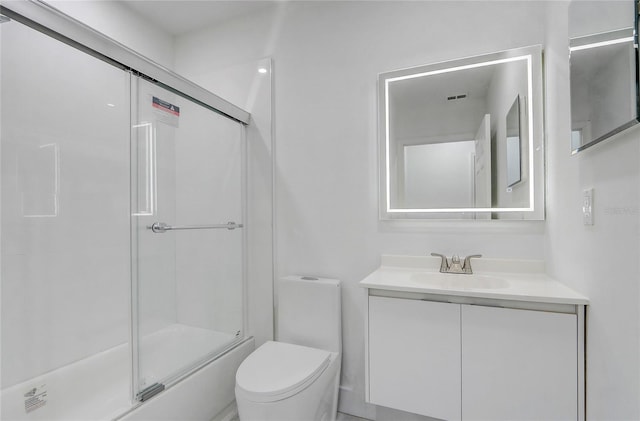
(472, 362)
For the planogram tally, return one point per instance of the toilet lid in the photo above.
(277, 370)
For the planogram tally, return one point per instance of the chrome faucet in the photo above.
(454, 265)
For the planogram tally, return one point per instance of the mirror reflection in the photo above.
(514, 174)
(455, 141)
(604, 77)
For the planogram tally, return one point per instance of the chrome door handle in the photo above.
(161, 227)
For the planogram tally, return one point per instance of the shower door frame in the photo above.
(48, 20)
(142, 394)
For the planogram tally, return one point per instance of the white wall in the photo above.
(611, 15)
(326, 59)
(601, 261)
(124, 25)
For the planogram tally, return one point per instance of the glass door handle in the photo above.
(160, 227)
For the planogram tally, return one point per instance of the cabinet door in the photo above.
(518, 364)
(414, 356)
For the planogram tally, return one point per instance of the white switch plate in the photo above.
(587, 207)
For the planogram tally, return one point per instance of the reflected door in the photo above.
(187, 201)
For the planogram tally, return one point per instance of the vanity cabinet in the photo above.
(518, 364)
(414, 356)
(467, 361)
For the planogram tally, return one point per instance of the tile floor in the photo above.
(340, 417)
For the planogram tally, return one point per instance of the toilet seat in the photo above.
(278, 370)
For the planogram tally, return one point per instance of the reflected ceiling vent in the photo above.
(454, 97)
(4, 19)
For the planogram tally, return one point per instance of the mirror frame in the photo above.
(587, 41)
(533, 105)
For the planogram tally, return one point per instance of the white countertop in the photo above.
(524, 280)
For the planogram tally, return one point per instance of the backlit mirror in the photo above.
(463, 139)
(604, 70)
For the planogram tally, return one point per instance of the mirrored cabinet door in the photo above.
(604, 70)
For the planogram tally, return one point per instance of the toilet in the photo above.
(296, 377)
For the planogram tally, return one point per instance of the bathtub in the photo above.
(99, 387)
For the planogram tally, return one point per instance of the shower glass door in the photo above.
(187, 235)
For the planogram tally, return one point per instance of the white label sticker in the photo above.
(35, 398)
(166, 112)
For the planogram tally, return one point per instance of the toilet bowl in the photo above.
(281, 381)
(297, 377)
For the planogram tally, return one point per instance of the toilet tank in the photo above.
(309, 312)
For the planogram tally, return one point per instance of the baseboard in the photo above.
(352, 403)
(230, 413)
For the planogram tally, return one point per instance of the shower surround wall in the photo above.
(65, 243)
(85, 244)
(88, 252)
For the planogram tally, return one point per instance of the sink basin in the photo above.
(458, 281)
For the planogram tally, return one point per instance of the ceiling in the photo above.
(181, 16)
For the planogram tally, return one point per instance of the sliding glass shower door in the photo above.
(64, 193)
(187, 235)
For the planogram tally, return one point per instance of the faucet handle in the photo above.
(455, 266)
(444, 264)
(466, 267)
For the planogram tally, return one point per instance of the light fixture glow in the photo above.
(262, 70)
(111, 105)
(455, 69)
(601, 44)
(530, 121)
(452, 210)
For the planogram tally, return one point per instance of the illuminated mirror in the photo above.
(455, 144)
(604, 70)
